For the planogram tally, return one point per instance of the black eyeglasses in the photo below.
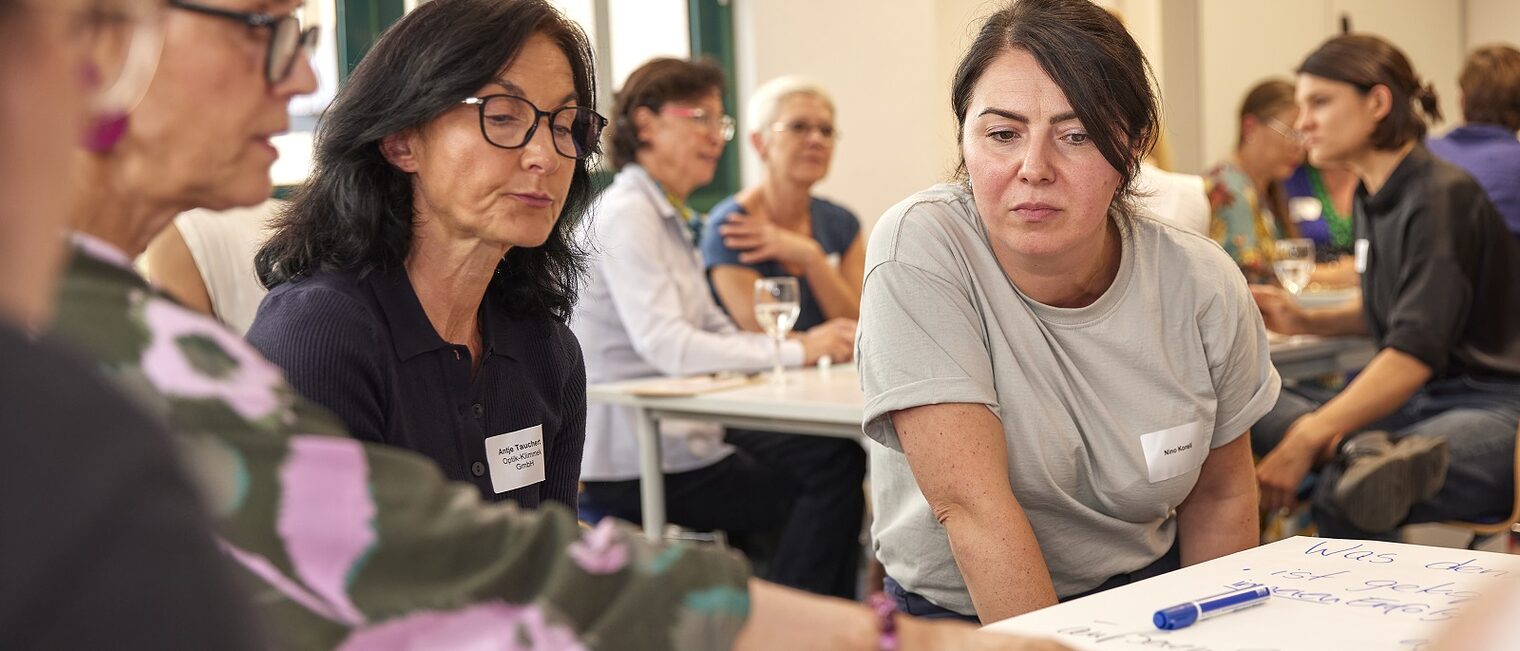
(286, 38)
(508, 121)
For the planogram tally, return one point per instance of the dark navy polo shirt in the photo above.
(361, 346)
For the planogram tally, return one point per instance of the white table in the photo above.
(815, 402)
(829, 403)
(1326, 595)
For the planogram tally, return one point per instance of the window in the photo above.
(624, 33)
(628, 33)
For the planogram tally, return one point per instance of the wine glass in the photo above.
(777, 305)
(1294, 263)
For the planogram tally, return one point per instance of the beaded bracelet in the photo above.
(885, 610)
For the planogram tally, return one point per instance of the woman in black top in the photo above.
(1440, 283)
(422, 278)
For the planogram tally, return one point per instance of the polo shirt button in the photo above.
(478, 468)
(477, 409)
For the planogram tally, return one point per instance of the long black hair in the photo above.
(356, 212)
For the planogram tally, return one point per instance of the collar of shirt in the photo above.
(1479, 132)
(413, 334)
(1415, 165)
(100, 249)
(664, 203)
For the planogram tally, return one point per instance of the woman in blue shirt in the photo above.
(777, 228)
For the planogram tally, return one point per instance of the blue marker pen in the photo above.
(1183, 615)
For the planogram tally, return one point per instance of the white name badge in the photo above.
(517, 458)
(1362, 246)
(1176, 450)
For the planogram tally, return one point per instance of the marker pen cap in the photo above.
(1179, 616)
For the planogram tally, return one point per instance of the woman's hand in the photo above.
(835, 338)
(759, 240)
(1282, 471)
(1280, 311)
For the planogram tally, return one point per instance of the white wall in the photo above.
(888, 65)
(1244, 42)
(1492, 21)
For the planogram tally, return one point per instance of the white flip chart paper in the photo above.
(1330, 595)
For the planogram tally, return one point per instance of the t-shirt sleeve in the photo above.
(326, 345)
(1246, 383)
(922, 341)
(714, 252)
(1433, 293)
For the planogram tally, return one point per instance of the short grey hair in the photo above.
(766, 101)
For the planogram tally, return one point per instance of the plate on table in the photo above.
(690, 386)
(1328, 297)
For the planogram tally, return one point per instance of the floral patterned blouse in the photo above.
(350, 545)
(1242, 222)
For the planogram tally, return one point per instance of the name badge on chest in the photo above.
(1362, 246)
(517, 458)
(1175, 450)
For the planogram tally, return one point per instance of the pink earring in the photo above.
(105, 129)
(104, 132)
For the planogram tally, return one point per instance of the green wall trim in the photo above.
(712, 35)
(360, 23)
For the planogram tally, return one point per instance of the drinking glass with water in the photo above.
(777, 304)
(1294, 263)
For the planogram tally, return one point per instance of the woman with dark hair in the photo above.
(346, 544)
(421, 280)
(649, 311)
(1426, 432)
(1059, 390)
(1246, 192)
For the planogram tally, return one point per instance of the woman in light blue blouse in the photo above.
(777, 227)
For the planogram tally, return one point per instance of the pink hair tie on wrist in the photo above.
(104, 132)
(886, 622)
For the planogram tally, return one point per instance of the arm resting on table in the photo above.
(960, 461)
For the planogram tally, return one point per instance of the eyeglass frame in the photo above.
(828, 132)
(1282, 129)
(538, 114)
(726, 127)
(305, 38)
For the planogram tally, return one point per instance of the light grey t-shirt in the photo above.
(1109, 410)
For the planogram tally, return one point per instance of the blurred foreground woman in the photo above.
(103, 542)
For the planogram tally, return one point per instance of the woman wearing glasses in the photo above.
(650, 312)
(106, 543)
(1246, 192)
(361, 546)
(421, 280)
(778, 228)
